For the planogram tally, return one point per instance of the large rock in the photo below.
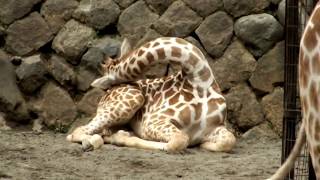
(124, 3)
(215, 38)
(28, 34)
(11, 10)
(136, 19)
(150, 35)
(281, 12)
(56, 107)
(60, 70)
(239, 8)
(178, 20)
(261, 132)
(108, 45)
(31, 73)
(96, 13)
(92, 60)
(101, 48)
(244, 110)
(89, 102)
(240, 62)
(204, 7)
(84, 78)
(159, 6)
(273, 108)
(2, 31)
(73, 39)
(270, 69)
(11, 100)
(259, 31)
(58, 12)
(3, 123)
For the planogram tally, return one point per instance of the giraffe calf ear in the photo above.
(125, 48)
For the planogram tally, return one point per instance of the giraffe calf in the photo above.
(168, 113)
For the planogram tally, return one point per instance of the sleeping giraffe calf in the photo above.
(309, 86)
(169, 113)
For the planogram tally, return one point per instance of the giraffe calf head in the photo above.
(110, 68)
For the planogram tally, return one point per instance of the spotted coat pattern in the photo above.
(168, 113)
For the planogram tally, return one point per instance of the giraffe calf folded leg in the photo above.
(177, 143)
(115, 108)
(123, 138)
(220, 140)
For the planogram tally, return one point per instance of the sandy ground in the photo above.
(27, 155)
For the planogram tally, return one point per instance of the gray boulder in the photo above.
(84, 78)
(178, 20)
(215, 38)
(234, 67)
(124, 3)
(92, 60)
(261, 132)
(72, 40)
(89, 102)
(204, 7)
(11, 100)
(3, 123)
(56, 107)
(11, 10)
(101, 48)
(58, 12)
(31, 73)
(2, 31)
(259, 31)
(244, 110)
(239, 8)
(136, 19)
(281, 12)
(270, 69)
(96, 13)
(159, 6)
(273, 108)
(28, 34)
(150, 35)
(60, 70)
(108, 45)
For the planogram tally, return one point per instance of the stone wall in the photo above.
(50, 51)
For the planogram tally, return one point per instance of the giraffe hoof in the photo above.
(124, 133)
(87, 146)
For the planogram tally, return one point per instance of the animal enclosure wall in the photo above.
(297, 13)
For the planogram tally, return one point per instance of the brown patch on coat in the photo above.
(175, 52)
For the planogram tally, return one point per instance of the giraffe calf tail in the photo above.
(289, 163)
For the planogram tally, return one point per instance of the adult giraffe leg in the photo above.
(116, 108)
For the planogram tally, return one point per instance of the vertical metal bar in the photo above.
(312, 174)
(290, 78)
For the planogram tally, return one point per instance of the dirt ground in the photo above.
(27, 155)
